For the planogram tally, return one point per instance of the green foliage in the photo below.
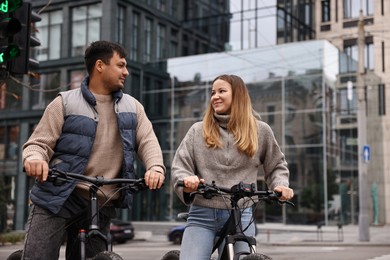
(12, 237)
(4, 200)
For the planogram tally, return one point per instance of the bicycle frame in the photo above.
(232, 231)
(94, 229)
(58, 177)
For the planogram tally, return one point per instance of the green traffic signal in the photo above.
(11, 52)
(10, 6)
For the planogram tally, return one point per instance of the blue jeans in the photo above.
(202, 228)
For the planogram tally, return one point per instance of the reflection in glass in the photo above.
(295, 94)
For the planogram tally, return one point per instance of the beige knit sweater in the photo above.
(227, 166)
(107, 153)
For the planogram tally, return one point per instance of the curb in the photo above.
(329, 244)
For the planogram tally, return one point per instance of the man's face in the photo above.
(115, 73)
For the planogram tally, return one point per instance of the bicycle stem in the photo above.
(94, 208)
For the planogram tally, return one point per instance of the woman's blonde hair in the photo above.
(242, 122)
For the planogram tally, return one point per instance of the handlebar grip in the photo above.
(180, 183)
(278, 194)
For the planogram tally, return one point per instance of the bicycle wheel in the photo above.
(17, 255)
(107, 255)
(257, 257)
(172, 255)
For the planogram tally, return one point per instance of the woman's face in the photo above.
(221, 97)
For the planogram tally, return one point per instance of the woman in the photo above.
(227, 147)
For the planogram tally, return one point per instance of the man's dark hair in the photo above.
(102, 50)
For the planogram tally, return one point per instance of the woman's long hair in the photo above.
(242, 122)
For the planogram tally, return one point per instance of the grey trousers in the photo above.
(45, 233)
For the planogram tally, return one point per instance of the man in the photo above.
(94, 130)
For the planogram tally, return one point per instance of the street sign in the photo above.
(366, 153)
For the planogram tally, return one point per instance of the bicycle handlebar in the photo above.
(237, 192)
(58, 177)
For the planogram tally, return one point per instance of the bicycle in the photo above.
(58, 177)
(232, 230)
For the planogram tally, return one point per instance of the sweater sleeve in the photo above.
(183, 164)
(149, 150)
(40, 145)
(275, 165)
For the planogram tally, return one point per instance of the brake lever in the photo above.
(281, 202)
(139, 186)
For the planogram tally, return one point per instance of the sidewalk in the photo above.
(289, 235)
(280, 234)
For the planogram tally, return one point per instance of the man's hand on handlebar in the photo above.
(191, 183)
(37, 168)
(154, 179)
(286, 192)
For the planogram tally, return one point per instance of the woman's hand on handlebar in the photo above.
(286, 192)
(37, 168)
(191, 183)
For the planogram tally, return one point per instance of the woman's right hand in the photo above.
(191, 183)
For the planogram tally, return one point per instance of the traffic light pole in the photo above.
(364, 219)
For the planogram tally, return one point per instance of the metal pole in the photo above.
(283, 142)
(364, 220)
(325, 111)
(171, 144)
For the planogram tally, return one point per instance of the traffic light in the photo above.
(9, 26)
(24, 40)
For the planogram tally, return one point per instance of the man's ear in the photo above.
(99, 65)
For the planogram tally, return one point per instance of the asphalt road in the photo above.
(154, 250)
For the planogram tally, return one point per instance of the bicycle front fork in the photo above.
(232, 239)
(94, 232)
(82, 238)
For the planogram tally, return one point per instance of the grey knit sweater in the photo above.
(227, 166)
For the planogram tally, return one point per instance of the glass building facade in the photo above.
(296, 90)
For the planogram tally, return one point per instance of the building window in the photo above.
(148, 40)
(161, 38)
(284, 23)
(11, 95)
(9, 144)
(86, 24)
(271, 114)
(173, 8)
(121, 24)
(369, 57)
(325, 10)
(76, 77)
(305, 20)
(161, 5)
(48, 90)
(352, 8)
(134, 37)
(49, 34)
(173, 49)
(347, 106)
(382, 99)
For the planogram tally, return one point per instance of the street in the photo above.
(154, 250)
